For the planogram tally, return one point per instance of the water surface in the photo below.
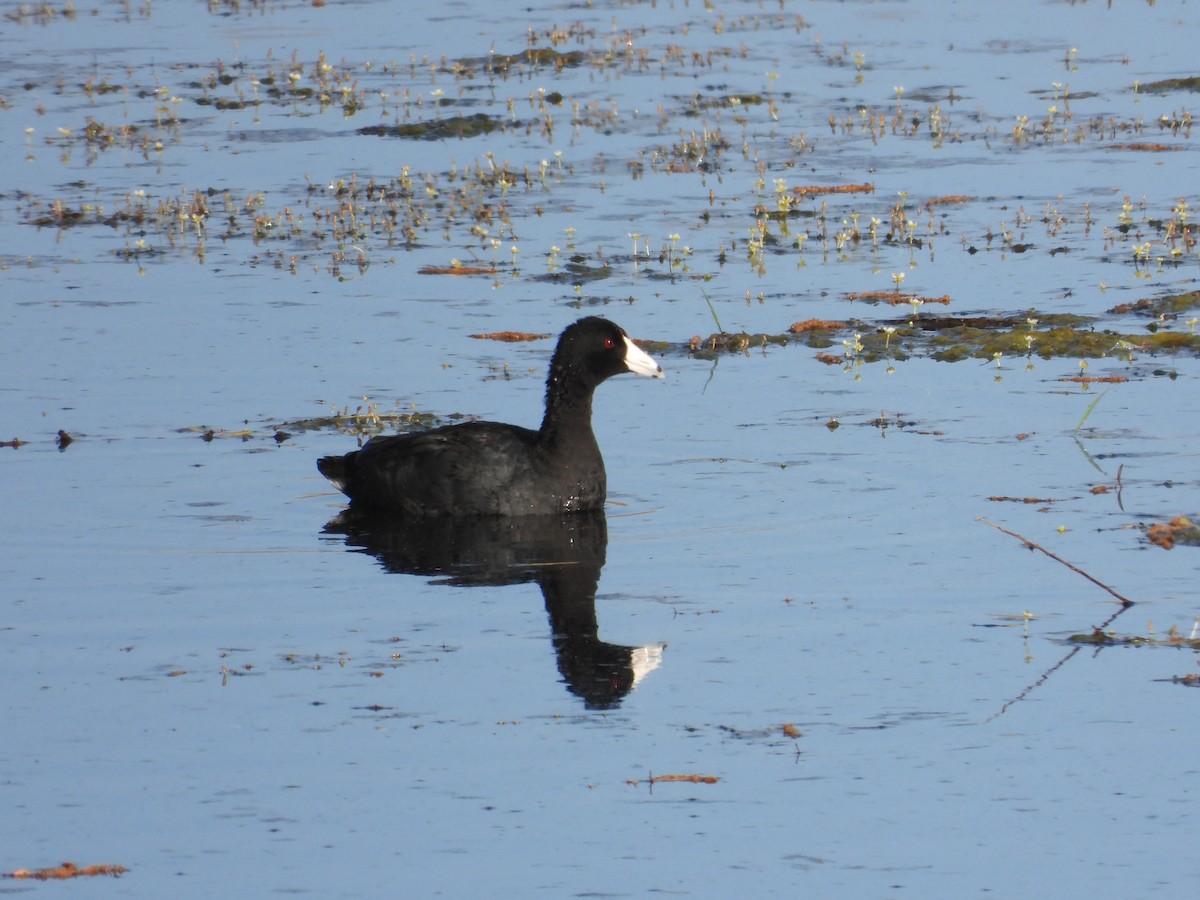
(208, 685)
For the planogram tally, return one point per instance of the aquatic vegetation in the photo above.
(502, 64)
(1099, 638)
(364, 420)
(740, 151)
(951, 338)
(438, 129)
(1167, 85)
(1160, 309)
(713, 345)
(519, 110)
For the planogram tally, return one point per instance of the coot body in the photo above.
(490, 468)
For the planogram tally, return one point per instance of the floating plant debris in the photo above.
(1165, 85)
(954, 338)
(1180, 530)
(457, 270)
(815, 325)
(1147, 147)
(690, 779)
(950, 198)
(1098, 637)
(437, 129)
(1161, 308)
(813, 190)
(1033, 501)
(67, 870)
(510, 336)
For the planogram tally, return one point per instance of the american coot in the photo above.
(489, 468)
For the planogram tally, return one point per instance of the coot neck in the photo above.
(568, 419)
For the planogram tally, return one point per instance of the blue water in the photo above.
(208, 687)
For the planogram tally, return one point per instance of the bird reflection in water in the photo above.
(562, 553)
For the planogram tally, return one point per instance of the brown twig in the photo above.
(1125, 601)
(693, 779)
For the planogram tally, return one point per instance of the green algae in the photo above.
(949, 338)
(958, 338)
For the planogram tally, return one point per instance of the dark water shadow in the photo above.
(563, 555)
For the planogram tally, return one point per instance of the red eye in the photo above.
(609, 343)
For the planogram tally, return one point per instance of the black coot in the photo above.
(489, 468)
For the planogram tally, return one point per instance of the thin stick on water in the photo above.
(1125, 601)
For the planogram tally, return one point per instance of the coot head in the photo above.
(594, 349)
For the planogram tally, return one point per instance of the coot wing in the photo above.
(478, 468)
